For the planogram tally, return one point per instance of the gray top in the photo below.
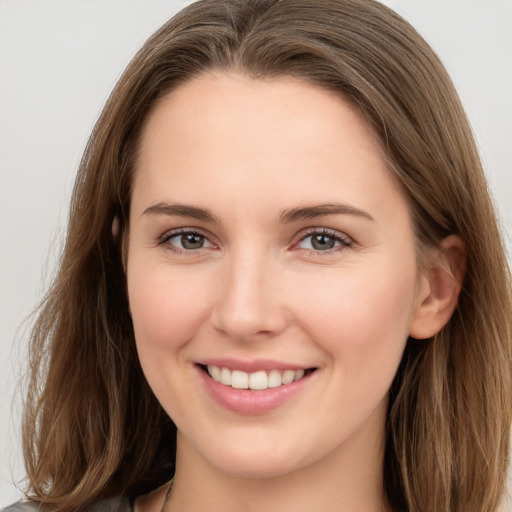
(108, 505)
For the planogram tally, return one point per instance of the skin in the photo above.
(247, 150)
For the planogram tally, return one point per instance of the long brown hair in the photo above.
(93, 428)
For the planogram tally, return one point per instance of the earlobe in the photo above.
(439, 288)
(115, 227)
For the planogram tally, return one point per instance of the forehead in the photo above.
(220, 100)
(255, 136)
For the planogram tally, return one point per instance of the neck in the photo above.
(348, 479)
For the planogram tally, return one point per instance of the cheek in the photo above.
(167, 308)
(359, 317)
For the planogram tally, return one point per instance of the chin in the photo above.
(256, 460)
(255, 467)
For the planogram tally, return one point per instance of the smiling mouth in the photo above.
(260, 380)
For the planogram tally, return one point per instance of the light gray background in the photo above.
(59, 59)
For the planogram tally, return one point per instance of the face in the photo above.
(272, 274)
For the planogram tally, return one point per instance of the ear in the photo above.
(439, 288)
(115, 227)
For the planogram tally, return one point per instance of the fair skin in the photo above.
(266, 234)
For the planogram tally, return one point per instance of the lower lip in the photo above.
(252, 402)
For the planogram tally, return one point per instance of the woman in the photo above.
(282, 255)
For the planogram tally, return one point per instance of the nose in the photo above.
(250, 303)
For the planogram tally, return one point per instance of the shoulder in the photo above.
(118, 504)
(21, 506)
(121, 504)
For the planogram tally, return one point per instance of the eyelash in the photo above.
(342, 240)
(165, 239)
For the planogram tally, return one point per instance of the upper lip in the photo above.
(251, 366)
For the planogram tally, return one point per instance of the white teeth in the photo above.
(274, 379)
(225, 376)
(215, 373)
(239, 380)
(288, 376)
(258, 380)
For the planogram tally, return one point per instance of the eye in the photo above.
(186, 240)
(323, 240)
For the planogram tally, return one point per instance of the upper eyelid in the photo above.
(324, 230)
(344, 242)
(298, 237)
(187, 229)
(164, 241)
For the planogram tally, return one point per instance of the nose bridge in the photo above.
(248, 301)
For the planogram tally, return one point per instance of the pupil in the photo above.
(322, 242)
(192, 241)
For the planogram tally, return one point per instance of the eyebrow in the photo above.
(181, 210)
(321, 210)
(286, 216)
